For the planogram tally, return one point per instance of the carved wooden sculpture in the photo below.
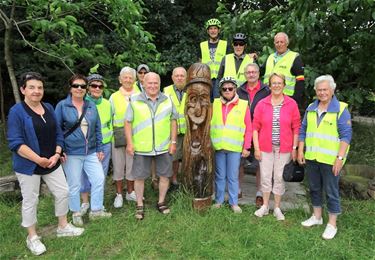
(197, 150)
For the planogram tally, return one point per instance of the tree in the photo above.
(58, 38)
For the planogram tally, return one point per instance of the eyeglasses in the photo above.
(97, 86)
(82, 86)
(277, 83)
(227, 89)
(238, 44)
(251, 72)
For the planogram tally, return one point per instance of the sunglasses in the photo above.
(142, 72)
(83, 86)
(238, 44)
(227, 89)
(97, 86)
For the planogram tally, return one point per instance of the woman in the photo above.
(80, 122)
(276, 124)
(231, 139)
(326, 133)
(95, 94)
(119, 102)
(36, 143)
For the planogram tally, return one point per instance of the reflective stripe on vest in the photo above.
(104, 110)
(322, 142)
(231, 135)
(151, 132)
(180, 106)
(283, 66)
(120, 103)
(230, 68)
(219, 54)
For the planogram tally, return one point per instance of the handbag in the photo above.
(293, 172)
(119, 136)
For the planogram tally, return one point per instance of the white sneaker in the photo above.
(263, 211)
(84, 208)
(69, 231)
(278, 214)
(77, 219)
(236, 209)
(99, 214)
(131, 196)
(312, 221)
(119, 201)
(329, 232)
(35, 245)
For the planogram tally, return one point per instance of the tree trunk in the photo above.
(8, 22)
(2, 112)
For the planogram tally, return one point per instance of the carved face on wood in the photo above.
(198, 112)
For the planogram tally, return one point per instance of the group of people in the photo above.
(270, 121)
(142, 130)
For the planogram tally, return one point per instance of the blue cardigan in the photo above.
(21, 131)
(77, 143)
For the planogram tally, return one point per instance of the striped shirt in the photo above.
(276, 125)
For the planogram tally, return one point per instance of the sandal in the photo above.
(163, 208)
(140, 213)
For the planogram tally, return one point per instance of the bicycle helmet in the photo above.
(213, 22)
(239, 37)
(227, 79)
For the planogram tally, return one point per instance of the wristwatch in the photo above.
(340, 157)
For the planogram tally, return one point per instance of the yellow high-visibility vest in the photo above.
(231, 135)
(180, 107)
(120, 103)
(219, 54)
(322, 142)
(151, 131)
(283, 66)
(104, 110)
(230, 68)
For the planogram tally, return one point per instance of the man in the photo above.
(151, 132)
(177, 94)
(233, 65)
(253, 90)
(213, 50)
(288, 63)
(142, 70)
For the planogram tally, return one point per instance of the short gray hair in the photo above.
(327, 78)
(283, 34)
(129, 71)
(256, 66)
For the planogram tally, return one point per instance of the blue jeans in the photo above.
(85, 184)
(73, 168)
(321, 178)
(226, 170)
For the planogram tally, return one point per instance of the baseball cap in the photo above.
(143, 66)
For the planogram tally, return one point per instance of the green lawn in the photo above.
(186, 234)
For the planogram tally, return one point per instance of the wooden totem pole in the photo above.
(197, 150)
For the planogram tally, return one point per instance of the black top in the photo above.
(45, 130)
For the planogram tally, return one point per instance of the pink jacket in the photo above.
(289, 124)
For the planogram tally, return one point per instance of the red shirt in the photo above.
(253, 91)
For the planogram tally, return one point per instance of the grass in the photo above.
(186, 234)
